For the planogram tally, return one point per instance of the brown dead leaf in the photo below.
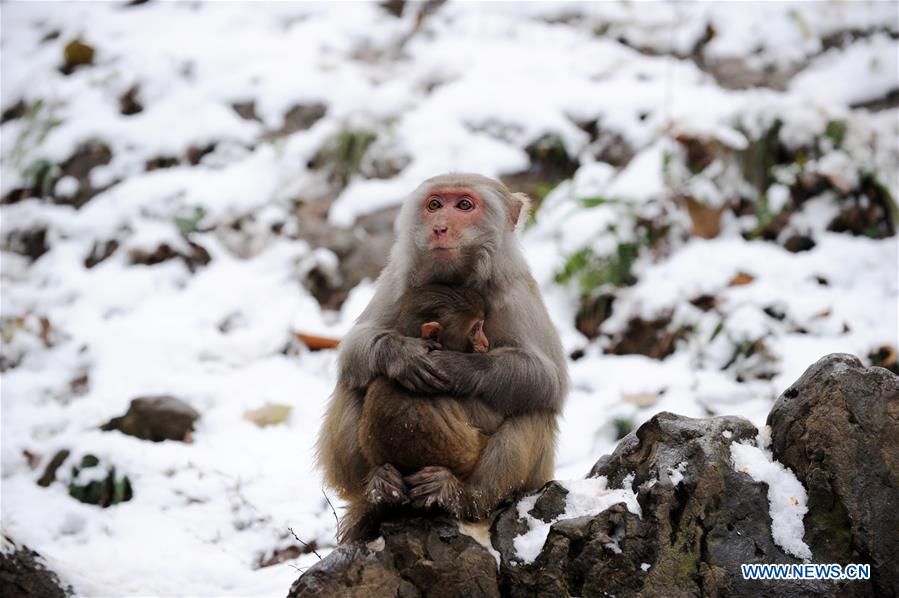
(706, 219)
(741, 279)
(317, 343)
(839, 183)
(269, 414)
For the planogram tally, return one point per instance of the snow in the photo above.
(585, 498)
(787, 498)
(470, 90)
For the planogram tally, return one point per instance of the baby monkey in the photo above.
(400, 432)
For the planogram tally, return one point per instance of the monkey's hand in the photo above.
(509, 379)
(464, 370)
(384, 485)
(436, 486)
(413, 366)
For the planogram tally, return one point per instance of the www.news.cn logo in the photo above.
(805, 571)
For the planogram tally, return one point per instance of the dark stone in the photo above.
(31, 242)
(394, 7)
(246, 110)
(15, 111)
(592, 313)
(550, 163)
(100, 252)
(129, 103)
(195, 153)
(797, 243)
(24, 575)
(156, 418)
(837, 428)
(362, 251)
(419, 556)
(551, 503)
(653, 338)
(87, 156)
(298, 118)
(885, 102)
(196, 257)
(705, 302)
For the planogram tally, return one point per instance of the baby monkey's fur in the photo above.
(402, 432)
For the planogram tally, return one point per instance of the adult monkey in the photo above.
(455, 229)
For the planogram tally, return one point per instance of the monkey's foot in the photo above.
(385, 486)
(436, 486)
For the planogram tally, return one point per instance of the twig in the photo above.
(332, 507)
(308, 546)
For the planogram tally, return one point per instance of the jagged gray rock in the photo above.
(24, 575)
(837, 428)
(417, 556)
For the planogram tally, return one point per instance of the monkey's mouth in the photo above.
(444, 252)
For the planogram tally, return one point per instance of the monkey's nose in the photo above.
(440, 229)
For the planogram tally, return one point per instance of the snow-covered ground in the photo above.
(468, 88)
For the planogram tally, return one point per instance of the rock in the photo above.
(361, 252)
(194, 258)
(798, 243)
(100, 251)
(699, 518)
(29, 242)
(129, 102)
(299, 118)
(837, 428)
(653, 338)
(417, 556)
(24, 575)
(157, 419)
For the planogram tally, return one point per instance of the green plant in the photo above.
(191, 222)
(41, 174)
(623, 427)
(836, 131)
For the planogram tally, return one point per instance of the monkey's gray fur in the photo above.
(523, 376)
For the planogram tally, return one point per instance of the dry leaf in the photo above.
(317, 343)
(706, 220)
(642, 399)
(838, 183)
(268, 414)
(740, 279)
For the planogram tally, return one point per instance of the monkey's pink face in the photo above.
(448, 214)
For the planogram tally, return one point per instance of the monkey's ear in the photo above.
(431, 330)
(520, 203)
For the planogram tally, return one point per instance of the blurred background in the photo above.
(197, 199)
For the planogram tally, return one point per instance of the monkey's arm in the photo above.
(370, 351)
(509, 379)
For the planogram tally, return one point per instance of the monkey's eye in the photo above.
(476, 328)
(465, 204)
(434, 204)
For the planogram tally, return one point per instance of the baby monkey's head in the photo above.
(453, 317)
